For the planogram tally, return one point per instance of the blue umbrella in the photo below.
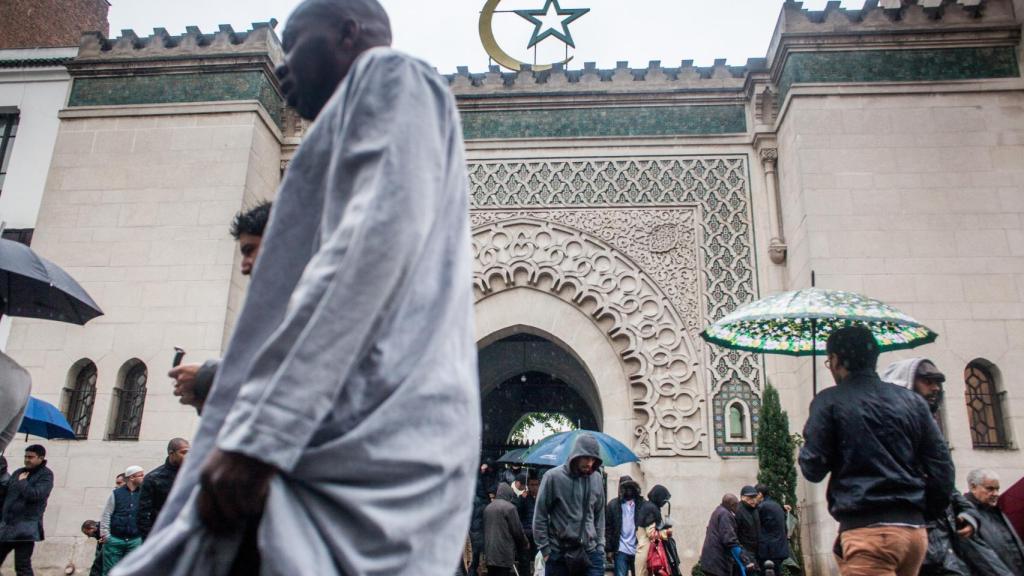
(555, 449)
(513, 456)
(45, 420)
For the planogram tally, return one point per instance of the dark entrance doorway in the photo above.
(525, 374)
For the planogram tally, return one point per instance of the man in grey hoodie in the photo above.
(568, 523)
(947, 533)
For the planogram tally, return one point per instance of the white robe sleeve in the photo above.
(388, 143)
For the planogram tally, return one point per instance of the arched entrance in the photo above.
(525, 373)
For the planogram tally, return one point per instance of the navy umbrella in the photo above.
(45, 420)
(555, 449)
(34, 287)
(513, 456)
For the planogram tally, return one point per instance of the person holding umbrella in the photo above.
(21, 519)
(889, 464)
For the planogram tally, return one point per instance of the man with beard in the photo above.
(568, 524)
(357, 319)
(945, 532)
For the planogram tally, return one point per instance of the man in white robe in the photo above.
(342, 431)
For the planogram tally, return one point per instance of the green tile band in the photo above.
(899, 66)
(178, 88)
(583, 122)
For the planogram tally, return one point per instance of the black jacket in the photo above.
(503, 532)
(613, 516)
(748, 528)
(716, 556)
(773, 543)
(886, 455)
(24, 505)
(155, 488)
(650, 513)
(995, 547)
(476, 523)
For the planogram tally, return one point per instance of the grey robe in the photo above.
(353, 365)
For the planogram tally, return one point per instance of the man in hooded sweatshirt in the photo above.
(568, 524)
(503, 533)
(621, 527)
(648, 519)
(960, 519)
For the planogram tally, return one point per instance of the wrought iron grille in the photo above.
(984, 408)
(8, 131)
(129, 400)
(79, 400)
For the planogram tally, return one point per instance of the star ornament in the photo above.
(543, 30)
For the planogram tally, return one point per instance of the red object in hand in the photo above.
(657, 559)
(1012, 504)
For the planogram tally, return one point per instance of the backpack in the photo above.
(657, 559)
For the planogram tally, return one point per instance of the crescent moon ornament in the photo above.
(494, 50)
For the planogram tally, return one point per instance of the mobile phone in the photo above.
(179, 355)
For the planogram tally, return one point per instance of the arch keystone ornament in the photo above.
(654, 344)
(541, 32)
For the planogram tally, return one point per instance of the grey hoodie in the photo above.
(902, 373)
(561, 508)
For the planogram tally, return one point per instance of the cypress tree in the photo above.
(776, 450)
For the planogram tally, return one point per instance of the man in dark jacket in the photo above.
(996, 547)
(119, 525)
(568, 524)
(620, 521)
(889, 464)
(773, 544)
(476, 532)
(959, 519)
(157, 485)
(527, 503)
(722, 551)
(748, 521)
(503, 532)
(91, 529)
(21, 521)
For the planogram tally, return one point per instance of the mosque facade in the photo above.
(615, 213)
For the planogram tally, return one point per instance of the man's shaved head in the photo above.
(321, 43)
(730, 502)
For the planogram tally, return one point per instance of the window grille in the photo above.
(984, 408)
(8, 131)
(23, 235)
(129, 401)
(79, 400)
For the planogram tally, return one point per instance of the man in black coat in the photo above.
(503, 533)
(620, 545)
(773, 544)
(996, 547)
(748, 521)
(722, 552)
(91, 529)
(21, 521)
(157, 485)
(889, 465)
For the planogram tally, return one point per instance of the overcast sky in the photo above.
(444, 32)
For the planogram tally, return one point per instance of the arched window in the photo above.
(79, 396)
(129, 400)
(737, 422)
(985, 406)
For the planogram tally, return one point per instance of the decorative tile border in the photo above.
(899, 66)
(596, 122)
(178, 88)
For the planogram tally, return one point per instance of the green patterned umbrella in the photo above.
(798, 323)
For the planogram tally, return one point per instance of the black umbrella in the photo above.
(33, 287)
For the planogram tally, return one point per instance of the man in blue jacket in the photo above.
(21, 522)
(889, 464)
(119, 526)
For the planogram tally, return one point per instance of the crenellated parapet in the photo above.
(895, 14)
(189, 68)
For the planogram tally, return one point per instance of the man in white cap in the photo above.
(119, 527)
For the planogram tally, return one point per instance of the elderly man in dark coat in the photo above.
(722, 551)
(773, 544)
(503, 532)
(21, 521)
(996, 547)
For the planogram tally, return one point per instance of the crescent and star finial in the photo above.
(543, 29)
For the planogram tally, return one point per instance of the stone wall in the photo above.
(915, 199)
(50, 23)
(137, 208)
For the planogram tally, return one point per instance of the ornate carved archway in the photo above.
(650, 336)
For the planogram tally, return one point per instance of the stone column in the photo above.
(777, 246)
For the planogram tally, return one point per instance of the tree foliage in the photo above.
(776, 456)
(547, 422)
